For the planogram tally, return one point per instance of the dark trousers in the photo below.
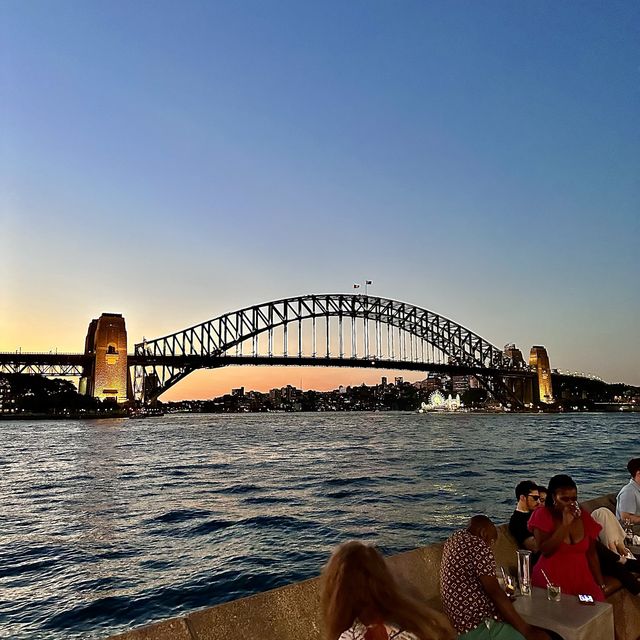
(611, 566)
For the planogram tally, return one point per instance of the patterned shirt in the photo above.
(358, 631)
(465, 558)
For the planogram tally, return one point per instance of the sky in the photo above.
(174, 161)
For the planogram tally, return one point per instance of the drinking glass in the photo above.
(553, 592)
(509, 585)
(524, 571)
(628, 531)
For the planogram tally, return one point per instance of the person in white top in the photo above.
(361, 601)
(612, 534)
(628, 500)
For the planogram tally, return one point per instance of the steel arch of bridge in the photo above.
(410, 332)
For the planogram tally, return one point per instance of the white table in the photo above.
(569, 618)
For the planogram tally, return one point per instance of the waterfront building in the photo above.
(459, 384)
(7, 399)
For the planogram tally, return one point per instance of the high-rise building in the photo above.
(459, 384)
(7, 399)
(514, 354)
(539, 360)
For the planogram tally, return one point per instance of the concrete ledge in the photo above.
(293, 612)
(288, 612)
(175, 628)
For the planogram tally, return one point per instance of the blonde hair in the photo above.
(356, 580)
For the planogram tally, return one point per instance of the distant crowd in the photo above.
(569, 546)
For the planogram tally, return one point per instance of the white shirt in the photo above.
(628, 499)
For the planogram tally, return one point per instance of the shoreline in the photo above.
(70, 416)
(126, 414)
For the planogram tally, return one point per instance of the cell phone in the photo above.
(585, 598)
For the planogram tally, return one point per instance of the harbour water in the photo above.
(111, 524)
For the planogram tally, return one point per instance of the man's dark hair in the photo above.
(525, 487)
(561, 481)
(633, 466)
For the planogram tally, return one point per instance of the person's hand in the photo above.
(569, 515)
(538, 634)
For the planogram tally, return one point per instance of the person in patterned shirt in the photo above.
(361, 601)
(473, 600)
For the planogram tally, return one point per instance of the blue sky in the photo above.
(174, 161)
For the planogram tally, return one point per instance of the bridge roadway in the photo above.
(33, 362)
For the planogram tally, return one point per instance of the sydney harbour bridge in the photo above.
(328, 330)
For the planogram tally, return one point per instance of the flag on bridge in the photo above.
(368, 282)
(356, 286)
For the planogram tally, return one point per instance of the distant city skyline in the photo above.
(174, 164)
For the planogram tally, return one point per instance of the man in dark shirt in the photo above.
(528, 496)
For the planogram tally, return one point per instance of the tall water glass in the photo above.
(524, 571)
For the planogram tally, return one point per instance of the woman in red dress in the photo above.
(565, 535)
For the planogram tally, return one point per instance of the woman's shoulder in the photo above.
(591, 525)
(541, 518)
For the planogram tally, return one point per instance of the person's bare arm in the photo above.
(530, 543)
(548, 542)
(631, 517)
(507, 612)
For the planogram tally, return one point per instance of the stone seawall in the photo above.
(293, 612)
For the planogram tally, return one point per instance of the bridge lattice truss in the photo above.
(45, 364)
(326, 330)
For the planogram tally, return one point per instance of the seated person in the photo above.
(543, 495)
(612, 534)
(528, 496)
(615, 559)
(471, 595)
(628, 500)
(361, 601)
(566, 537)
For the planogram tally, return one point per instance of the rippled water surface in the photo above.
(111, 524)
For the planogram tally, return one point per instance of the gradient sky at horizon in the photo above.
(174, 161)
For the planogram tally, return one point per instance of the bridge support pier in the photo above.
(107, 377)
(543, 390)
